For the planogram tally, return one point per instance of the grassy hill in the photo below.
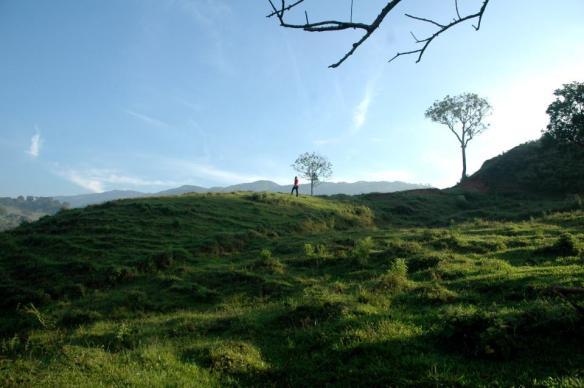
(269, 289)
(540, 166)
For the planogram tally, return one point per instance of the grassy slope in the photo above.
(539, 166)
(151, 291)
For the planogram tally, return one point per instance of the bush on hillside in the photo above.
(565, 245)
(235, 358)
(268, 263)
(395, 279)
(362, 250)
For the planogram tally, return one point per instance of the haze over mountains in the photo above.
(324, 188)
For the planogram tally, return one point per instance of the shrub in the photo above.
(268, 263)
(399, 267)
(403, 248)
(258, 197)
(316, 251)
(235, 358)
(309, 250)
(265, 254)
(395, 279)
(322, 251)
(362, 250)
(566, 245)
(436, 293)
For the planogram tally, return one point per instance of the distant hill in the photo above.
(96, 198)
(325, 188)
(14, 211)
(183, 190)
(537, 167)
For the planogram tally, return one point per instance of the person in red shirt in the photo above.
(295, 187)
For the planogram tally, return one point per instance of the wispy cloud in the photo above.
(98, 180)
(35, 144)
(181, 172)
(360, 114)
(86, 182)
(210, 172)
(211, 16)
(189, 104)
(147, 119)
(361, 110)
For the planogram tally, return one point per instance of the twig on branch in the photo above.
(426, 20)
(288, 8)
(442, 28)
(456, 6)
(369, 29)
(334, 25)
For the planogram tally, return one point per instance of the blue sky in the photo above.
(153, 94)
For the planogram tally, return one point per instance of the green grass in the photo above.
(268, 289)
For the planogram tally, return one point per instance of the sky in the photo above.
(153, 94)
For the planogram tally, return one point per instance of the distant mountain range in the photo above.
(324, 188)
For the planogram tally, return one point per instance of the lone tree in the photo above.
(284, 7)
(567, 115)
(313, 167)
(463, 115)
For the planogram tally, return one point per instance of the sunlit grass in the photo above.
(269, 289)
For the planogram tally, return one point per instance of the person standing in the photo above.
(295, 187)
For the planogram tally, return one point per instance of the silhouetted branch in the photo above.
(442, 28)
(288, 8)
(334, 25)
(337, 25)
(426, 20)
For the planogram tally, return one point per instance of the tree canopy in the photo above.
(464, 116)
(567, 115)
(314, 167)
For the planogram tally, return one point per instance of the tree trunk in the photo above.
(311, 185)
(463, 163)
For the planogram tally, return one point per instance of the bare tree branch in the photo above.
(337, 25)
(288, 8)
(426, 20)
(426, 42)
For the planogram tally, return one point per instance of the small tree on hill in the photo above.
(567, 115)
(313, 167)
(463, 115)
